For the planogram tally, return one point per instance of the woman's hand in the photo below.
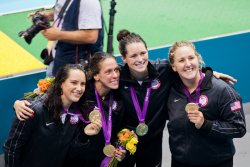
(119, 154)
(93, 128)
(196, 117)
(224, 77)
(22, 110)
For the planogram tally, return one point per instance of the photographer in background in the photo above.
(75, 34)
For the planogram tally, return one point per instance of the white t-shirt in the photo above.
(89, 18)
(89, 14)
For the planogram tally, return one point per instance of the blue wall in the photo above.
(12, 89)
(230, 55)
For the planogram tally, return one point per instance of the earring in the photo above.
(61, 92)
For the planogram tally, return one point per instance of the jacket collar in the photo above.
(126, 77)
(206, 83)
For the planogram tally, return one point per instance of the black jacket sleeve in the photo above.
(19, 135)
(231, 122)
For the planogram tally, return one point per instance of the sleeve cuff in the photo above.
(207, 126)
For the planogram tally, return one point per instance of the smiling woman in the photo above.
(103, 99)
(55, 120)
(143, 86)
(205, 113)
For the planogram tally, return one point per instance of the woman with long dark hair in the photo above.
(44, 139)
(105, 99)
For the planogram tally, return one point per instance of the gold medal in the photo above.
(95, 115)
(108, 150)
(191, 107)
(142, 129)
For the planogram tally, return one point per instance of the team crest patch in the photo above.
(114, 105)
(203, 100)
(155, 84)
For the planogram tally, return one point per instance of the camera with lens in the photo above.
(40, 22)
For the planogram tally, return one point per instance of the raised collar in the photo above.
(206, 83)
(125, 74)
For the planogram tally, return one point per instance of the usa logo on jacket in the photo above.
(203, 100)
(155, 84)
(235, 106)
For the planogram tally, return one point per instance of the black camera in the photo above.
(39, 23)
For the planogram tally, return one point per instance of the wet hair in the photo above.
(124, 37)
(179, 44)
(54, 101)
(95, 61)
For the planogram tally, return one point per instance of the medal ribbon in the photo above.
(140, 114)
(77, 113)
(197, 91)
(106, 126)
